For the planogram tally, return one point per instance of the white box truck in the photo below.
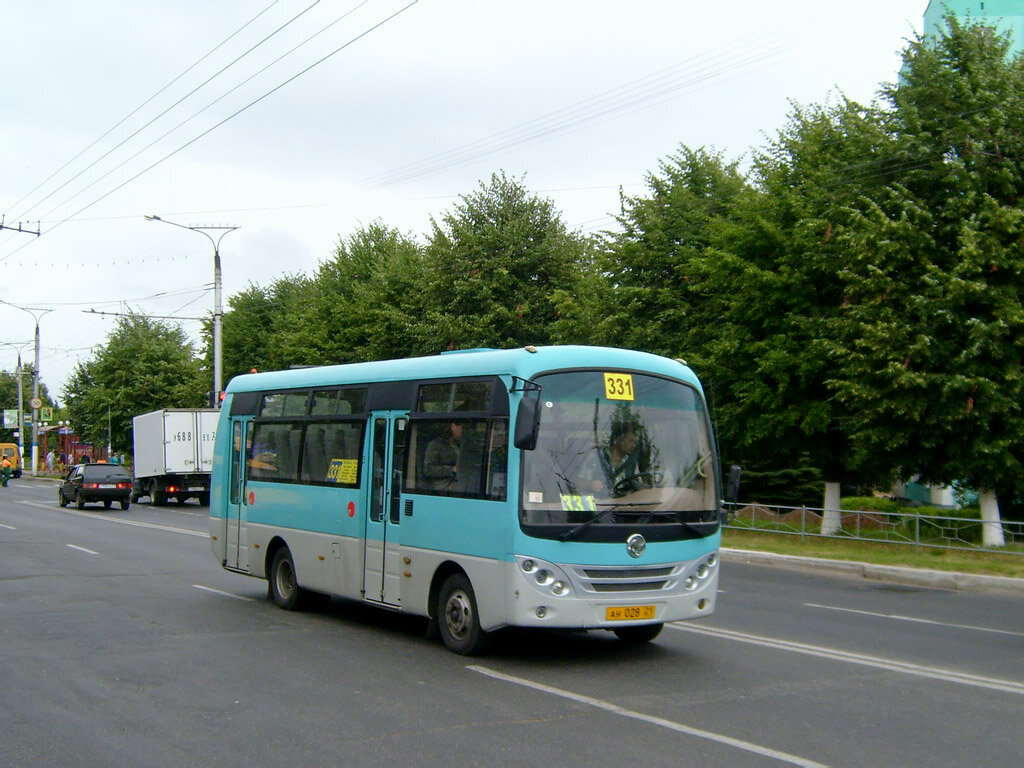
(174, 454)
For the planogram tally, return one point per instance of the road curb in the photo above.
(921, 577)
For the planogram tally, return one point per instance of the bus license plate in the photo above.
(629, 612)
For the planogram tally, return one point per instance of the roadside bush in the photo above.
(870, 504)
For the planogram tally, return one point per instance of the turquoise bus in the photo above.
(560, 487)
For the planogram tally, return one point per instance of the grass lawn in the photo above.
(990, 563)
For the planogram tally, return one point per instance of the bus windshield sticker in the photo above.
(343, 471)
(618, 386)
(573, 502)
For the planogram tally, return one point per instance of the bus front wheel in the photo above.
(457, 617)
(283, 588)
(636, 635)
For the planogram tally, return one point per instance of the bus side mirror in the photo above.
(732, 486)
(527, 424)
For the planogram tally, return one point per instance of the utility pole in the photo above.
(21, 402)
(37, 313)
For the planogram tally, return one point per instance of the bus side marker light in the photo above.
(319, 557)
(255, 546)
(407, 574)
(700, 604)
(351, 509)
(213, 537)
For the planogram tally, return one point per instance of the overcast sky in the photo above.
(299, 121)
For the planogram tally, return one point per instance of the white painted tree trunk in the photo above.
(991, 523)
(831, 518)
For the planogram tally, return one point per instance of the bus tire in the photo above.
(283, 587)
(457, 617)
(639, 634)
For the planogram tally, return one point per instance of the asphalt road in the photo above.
(123, 643)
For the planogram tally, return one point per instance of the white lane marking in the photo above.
(108, 519)
(834, 654)
(8, 527)
(897, 617)
(226, 594)
(661, 722)
(81, 549)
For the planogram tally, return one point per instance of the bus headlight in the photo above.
(546, 578)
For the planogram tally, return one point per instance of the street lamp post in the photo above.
(35, 383)
(218, 310)
(21, 407)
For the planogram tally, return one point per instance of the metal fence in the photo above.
(956, 531)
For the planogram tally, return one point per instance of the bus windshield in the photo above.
(616, 451)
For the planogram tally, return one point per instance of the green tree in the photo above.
(657, 303)
(366, 302)
(258, 330)
(777, 271)
(144, 365)
(501, 262)
(948, 380)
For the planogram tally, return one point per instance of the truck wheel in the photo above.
(156, 497)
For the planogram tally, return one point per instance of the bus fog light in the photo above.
(558, 588)
(541, 612)
(528, 566)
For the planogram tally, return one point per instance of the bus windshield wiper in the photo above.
(607, 508)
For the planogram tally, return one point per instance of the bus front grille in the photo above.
(617, 579)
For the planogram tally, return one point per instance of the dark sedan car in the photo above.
(104, 483)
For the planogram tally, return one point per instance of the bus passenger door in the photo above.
(236, 554)
(381, 559)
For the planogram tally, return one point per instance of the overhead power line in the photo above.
(139, 130)
(690, 73)
(131, 114)
(230, 117)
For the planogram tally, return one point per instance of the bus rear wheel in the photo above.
(283, 588)
(636, 635)
(458, 618)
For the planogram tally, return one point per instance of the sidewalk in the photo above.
(919, 577)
